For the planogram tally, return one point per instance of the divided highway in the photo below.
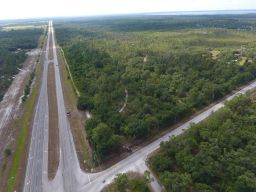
(69, 177)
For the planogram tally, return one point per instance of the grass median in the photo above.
(53, 145)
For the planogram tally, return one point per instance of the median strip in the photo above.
(53, 145)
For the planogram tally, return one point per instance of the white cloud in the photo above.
(34, 8)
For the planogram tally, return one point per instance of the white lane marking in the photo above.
(89, 179)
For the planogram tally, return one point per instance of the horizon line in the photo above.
(171, 13)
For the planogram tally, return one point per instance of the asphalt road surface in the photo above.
(69, 177)
(36, 172)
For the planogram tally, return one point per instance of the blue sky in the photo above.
(13, 9)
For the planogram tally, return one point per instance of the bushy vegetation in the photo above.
(215, 155)
(27, 89)
(13, 47)
(168, 71)
(131, 182)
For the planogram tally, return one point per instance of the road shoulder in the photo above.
(76, 118)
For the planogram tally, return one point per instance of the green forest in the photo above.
(138, 75)
(218, 154)
(13, 47)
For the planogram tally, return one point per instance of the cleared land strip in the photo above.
(53, 147)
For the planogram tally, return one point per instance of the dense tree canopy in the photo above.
(168, 73)
(215, 155)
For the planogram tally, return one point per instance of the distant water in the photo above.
(224, 12)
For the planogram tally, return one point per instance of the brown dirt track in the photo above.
(50, 56)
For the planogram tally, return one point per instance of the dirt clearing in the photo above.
(242, 61)
(53, 147)
(215, 54)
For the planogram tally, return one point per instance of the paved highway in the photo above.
(69, 177)
(36, 172)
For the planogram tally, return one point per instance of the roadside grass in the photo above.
(25, 123)
(69, 73)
